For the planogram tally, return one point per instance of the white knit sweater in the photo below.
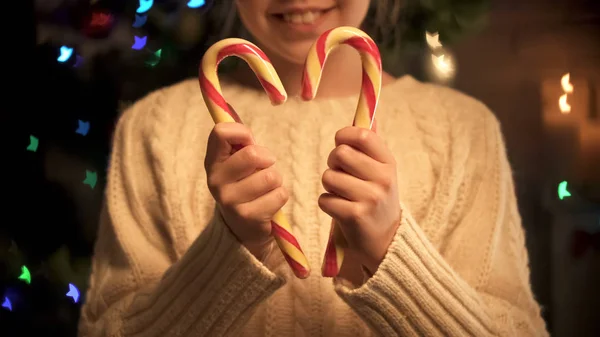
(165, 263)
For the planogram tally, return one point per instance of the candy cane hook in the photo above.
(221, 112)
(365, 112)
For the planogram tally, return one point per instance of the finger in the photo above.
(252, 187)
(241, 165)
(366, 141)
(336, 207)
(264, 207)
(223, 138)
(245, 162)
(356, 163)
(348, 187)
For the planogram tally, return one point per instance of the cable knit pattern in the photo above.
(166, 264)
(300, 170)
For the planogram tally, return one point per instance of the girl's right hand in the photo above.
(245, 184)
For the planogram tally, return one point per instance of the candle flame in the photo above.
(565, 107)
(566, 85)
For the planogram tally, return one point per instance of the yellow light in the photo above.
(433, 40)
(564, 106)
(442, 64)
(566, 85)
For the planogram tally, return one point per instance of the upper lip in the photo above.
(294, 10)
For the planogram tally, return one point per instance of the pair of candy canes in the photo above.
(221, 112)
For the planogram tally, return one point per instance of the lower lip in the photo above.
(304, 27)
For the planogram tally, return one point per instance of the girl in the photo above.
(427, 205)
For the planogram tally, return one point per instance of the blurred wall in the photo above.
(526, 42)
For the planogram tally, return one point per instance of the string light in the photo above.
(562, 190)
(65, 54)
(90, 178)
(444, 65)
(196, 3)
(33, 143)
(7, 304)
(442, 62)
(73, 293)
(139, 42)
(25, 275)
(433, 40)
(83, 127)
(140, 20)
(155, 58)
(145, 6)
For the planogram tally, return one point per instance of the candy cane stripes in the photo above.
(371, 63)
(221, 113)
(258, 62)
(365, 110)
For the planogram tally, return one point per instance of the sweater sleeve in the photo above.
(419, 291)
(140, 284)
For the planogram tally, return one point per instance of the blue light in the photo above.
(196, 3)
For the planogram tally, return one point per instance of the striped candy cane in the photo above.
(365, 111)
(221, 112)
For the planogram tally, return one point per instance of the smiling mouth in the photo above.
(306, 17)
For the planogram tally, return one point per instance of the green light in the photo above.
(154, 59)
(25, 275)
(562, 190)
(33, 143)
(90, 178)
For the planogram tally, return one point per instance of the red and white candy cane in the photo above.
(365, 111)
(221, 112)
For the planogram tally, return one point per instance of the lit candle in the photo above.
(565, 108)
(567, 87)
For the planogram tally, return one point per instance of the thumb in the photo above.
(236, 147)
(226, 139)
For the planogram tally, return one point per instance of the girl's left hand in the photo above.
(363, 193)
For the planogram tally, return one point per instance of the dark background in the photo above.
(504, 55)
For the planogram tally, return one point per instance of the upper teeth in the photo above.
(306, 17)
